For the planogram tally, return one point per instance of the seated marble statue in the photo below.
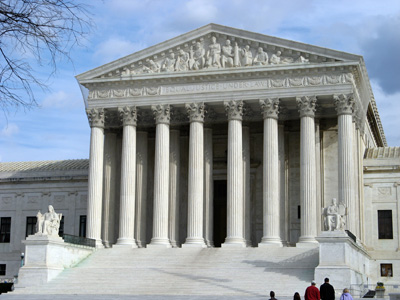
(48, 223)
(334, 216)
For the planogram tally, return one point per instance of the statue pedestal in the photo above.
(342, 260)
(46, 256)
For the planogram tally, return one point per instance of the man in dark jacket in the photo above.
(327, 291)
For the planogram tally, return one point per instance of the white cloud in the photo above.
(9, 130)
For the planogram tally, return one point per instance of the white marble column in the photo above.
(308, 183)
(235, 204)
(208, 188)
(246, 185)
(344, 107)
(141, 188)
(161, 178)
(95, 180)
(283, 185)
(128, 178)
(109, 185)
(174, 174)
(196, 176)
(271, 205)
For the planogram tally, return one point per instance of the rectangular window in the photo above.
(61, 229)
(385, 224)
(2, 270)
(5, 229)
(30, 226)
(386, 270)
(82, 226)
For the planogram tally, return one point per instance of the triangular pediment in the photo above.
(216, 47)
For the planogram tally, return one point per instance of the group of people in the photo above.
(325, 292)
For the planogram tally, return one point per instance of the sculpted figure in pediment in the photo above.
(168, 65)
(247, 56)
(126, 72)
(302, 60)
(277, 59)
(214, 54)
(261, 57)
(197, 57)
(227, 55)
(153, 66)
(182, 62)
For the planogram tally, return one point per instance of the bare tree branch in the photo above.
(45, 30)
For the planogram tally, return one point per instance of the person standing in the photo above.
(312, 292)
(272, 295)
(327, 291)
(346, 295)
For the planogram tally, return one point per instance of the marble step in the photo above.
(250, 272)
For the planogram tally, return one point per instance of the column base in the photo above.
(270, 242)
(194, 243)
(307, 242)
(233, 242)
(124, 242)
(141, 244)
(159, 243)
(210, 244)
(99, 244)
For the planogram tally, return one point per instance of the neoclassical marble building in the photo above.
(281, 126)
(222, 137)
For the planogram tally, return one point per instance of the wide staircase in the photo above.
(182, 273)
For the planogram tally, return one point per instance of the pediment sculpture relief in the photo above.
(334, 216)
(210, 53)
(48, 223)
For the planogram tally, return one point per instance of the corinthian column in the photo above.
(196, 176)
(110, 170)
(344, 107)
(128, 177)
(235, 207)
(161, 174)
(208, 188)
(141, 188)
(95, 181)
(271, 211)
(174, 174)
(308, 181)
(246, 185)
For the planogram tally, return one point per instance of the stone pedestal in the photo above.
(342, 260)
(46, 257)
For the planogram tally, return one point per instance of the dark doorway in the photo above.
(220, 202)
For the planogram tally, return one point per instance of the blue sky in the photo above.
(58, 128)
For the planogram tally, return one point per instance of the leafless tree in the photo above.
(35, 34)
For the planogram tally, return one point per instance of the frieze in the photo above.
(269, 83)
(215, 52)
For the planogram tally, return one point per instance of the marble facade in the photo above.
(226, 138)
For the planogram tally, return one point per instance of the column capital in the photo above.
(128, 115)
(96, 117)
(195, 111)
(269, 107)
(306, 106)
(162, 113)
(344, 104)
(234, 109)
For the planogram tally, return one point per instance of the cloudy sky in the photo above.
(59, 129)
